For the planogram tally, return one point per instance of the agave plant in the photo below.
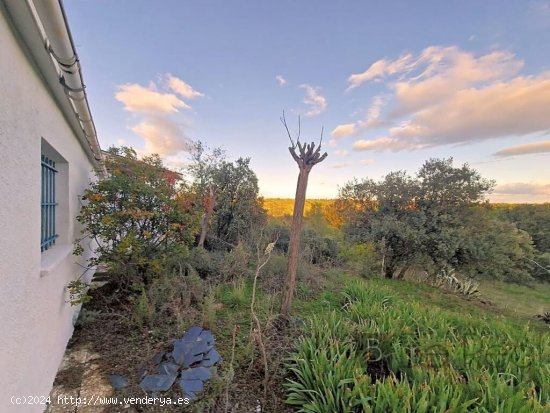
(448, 279)
(545, 317)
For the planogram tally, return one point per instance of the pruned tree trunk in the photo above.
(294, 242)
(383, 267)
(209, 203)
(306, 158)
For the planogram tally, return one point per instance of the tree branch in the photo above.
(283, 120)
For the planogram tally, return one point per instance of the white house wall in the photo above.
(35, 320)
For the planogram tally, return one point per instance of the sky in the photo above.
(391, 84)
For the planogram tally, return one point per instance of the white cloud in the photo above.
(519, 192)
(372, 120)
(161, 135)
(316, 102)
(383, 143)
(341, 152)
(180, 87)
(525, 149)
(445, 95)
(380, 69)
(282, 81)
(157, 111)
(341, 131)
(366, 162)
(137, 98)
(523, 188)
(514, 108)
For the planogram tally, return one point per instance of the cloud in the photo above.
(341, 152)
(366, 162)
(282, 81)
(383, 143)
(445, 95)
(341, 131)
(515, 108)
(380, 69)
(316, 102)
(157, 110)
(180, 87)
(520, 192)
(372, 120)
(162, 136)
(137, 98)
(438, 61)
(523, 188)
(525, 149)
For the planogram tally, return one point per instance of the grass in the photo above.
(523, 300)
(389, 349)
(124, 348)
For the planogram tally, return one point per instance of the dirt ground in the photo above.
(105, 342)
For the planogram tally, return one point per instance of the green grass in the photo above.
(404, 347)
(525, 301)
(388, 308)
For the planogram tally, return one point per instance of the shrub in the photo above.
(140, 217)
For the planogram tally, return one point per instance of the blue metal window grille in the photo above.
(48, 204)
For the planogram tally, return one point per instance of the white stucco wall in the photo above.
(35, 320)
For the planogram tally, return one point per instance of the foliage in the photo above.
(535, 220)
(363, 259)
(493, 248)
(237, 206)
(430, 221)
(280, 207)
(448, 279)
(379, 354)
(140, 217)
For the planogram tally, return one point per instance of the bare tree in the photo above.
(306, 156)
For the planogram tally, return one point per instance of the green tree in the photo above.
(227, 195)
(432, 221)
(140, 217)
(384, 213)
(238, 206)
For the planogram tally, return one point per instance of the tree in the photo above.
(535, 220)
(385, 213)
(140, 217)
(204, 168)
(238, 206)
(494, 248)
(228, 195)
(306, 157)
(432, 221)
(446, 195)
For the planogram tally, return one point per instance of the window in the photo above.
(48, 204)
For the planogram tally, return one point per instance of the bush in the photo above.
(363, 259)
(140, 217)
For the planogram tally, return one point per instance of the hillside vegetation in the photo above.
(280, 207)
(412, 294)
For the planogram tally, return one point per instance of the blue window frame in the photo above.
(48, 204)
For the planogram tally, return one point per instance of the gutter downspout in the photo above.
(42, 26)
(59, 43)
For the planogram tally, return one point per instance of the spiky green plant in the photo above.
(434, 360)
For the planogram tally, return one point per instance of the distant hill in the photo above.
(278, 207)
